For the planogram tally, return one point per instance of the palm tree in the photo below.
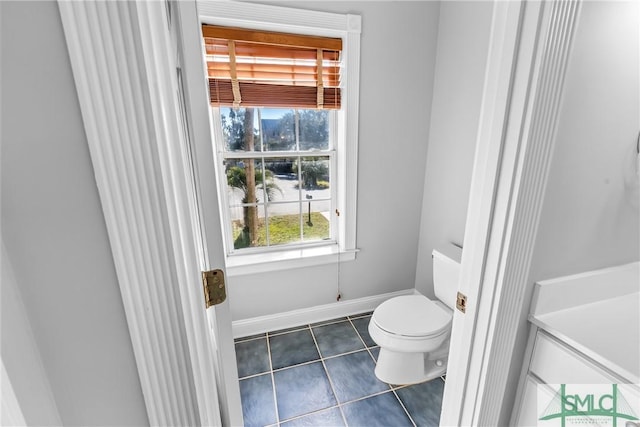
(312, 170)
(237, 179)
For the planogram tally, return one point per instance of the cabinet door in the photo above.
(529, 412)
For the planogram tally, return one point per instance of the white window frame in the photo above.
(347, 27)
(225, 207)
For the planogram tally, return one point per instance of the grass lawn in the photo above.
(283, 229)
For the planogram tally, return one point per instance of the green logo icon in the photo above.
(590, 405)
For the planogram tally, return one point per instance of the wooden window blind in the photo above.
(248, 68)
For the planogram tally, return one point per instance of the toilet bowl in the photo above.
(413, 331)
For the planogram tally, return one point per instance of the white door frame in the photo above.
(529, 47)
(124, 62)
(206, 210)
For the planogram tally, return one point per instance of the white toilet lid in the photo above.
(412, 316)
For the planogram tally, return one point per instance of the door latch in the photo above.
(461, 302)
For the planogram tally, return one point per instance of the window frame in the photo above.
(225, 204)
(300, 21)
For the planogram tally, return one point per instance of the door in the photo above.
(143, 134)
(460, 389)
(530, 44)
(196, 114)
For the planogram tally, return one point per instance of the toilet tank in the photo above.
(446, 273)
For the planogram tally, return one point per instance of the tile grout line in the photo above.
(301, 327)
(273, 381)
(391, 387)
(340, 406)
(319, 359)
(303, 363)
(324, 366)
(406, 411)
(317, 411)
(358, 333)
(249, 338)
(362, 339)
(288, 330)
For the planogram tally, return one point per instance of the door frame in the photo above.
(529, 47)
(124, 61)
(132, 119)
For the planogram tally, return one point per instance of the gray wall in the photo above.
(54, 231)
(463, 39)
(590, 216)
(55, 236)
(392, 155)
(21, 356)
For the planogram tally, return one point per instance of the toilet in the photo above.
(413, 331)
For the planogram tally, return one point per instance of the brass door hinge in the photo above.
(461, 302)
(214, 287)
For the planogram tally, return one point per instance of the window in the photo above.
(290, 156)
(284, 114)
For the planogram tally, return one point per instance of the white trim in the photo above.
(283, 19)
(498, 74)
(197, 111)
(132, 124)
(346, 26)
(538, 40)
(238, 265)
(534, 133)
(304, 316)
(161, 55)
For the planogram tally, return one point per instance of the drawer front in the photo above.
(554, 363)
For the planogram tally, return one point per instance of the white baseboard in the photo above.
(289, 319)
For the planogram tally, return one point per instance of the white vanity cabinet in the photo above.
(553, 362)
(585, 329)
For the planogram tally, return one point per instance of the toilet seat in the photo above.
(412, 316)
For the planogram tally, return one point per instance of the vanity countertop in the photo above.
(597, 313)
(607, 331)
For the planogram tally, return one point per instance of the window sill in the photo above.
(238, 265)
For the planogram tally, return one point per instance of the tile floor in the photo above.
(322, 375)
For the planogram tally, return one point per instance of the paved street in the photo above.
(289, 193)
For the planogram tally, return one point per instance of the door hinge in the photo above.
(214, 287)
(461, 302)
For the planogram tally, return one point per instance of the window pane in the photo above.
(247, 226)
(284, 223)
(241, 188)
(235, 124)
(278, 129)
(274, 129)
(315, 175)
(277, 200)
(282, 183)
(314, 129)
(316, 224)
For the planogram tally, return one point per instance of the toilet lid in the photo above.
(412, 316)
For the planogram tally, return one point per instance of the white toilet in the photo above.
(413, 331)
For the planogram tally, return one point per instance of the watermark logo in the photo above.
(587, 405)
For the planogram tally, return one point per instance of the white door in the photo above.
(525, 72)
(194, 93)
(125, 60)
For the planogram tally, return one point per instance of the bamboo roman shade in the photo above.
(248, 68)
